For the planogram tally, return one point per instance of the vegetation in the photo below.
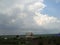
(18, 40)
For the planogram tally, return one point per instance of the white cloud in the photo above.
(20, 6)
(29, 1)
(37, 6)
(25, 15)
(12, 21)
(46, 21)
(22, 15)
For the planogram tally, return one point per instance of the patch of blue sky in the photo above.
(52, 8)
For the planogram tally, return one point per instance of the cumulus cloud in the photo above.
(45, 19)
(37, 6)
(17, 16)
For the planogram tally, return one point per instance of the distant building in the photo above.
(29, 35)
(30, 39)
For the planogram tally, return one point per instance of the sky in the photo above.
(22, 16)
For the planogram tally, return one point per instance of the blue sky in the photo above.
(53, 8)
(37, 16)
